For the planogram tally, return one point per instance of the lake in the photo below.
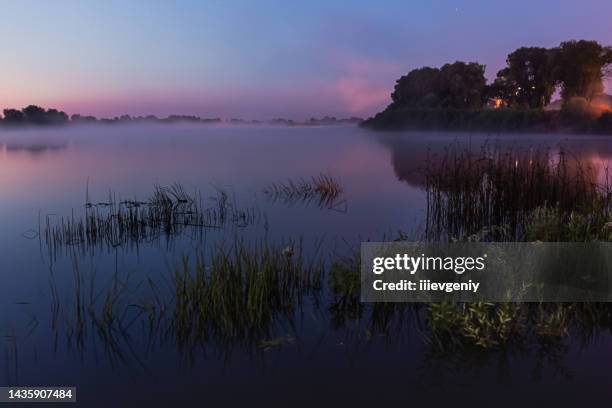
(51, 337)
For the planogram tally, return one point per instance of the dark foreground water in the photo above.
(316, 356)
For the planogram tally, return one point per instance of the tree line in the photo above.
(530, 79)
(35, 115)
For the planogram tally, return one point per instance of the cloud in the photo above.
(360, 96)
(364, 85)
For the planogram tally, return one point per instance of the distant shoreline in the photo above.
(32, 116)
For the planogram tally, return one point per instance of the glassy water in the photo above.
(49, 174)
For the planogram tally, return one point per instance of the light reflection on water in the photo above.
(49, 172)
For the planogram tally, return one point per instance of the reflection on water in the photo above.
(118, 318)
(409, 152)
(33, 149)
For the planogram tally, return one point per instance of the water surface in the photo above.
(47, 174)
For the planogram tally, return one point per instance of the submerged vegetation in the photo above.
(258, 296)
(241, 293)
(510, 195)
(169, 212)
(323, 189)
(236, 296)
(516, 195)
(494, 326)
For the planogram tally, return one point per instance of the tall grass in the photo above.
(498, 190)
(241, 293)
(254, 298)
(252, 295)
(169, 212)
(234, 297)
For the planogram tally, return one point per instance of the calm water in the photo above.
(47, 174)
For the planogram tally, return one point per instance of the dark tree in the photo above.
(580, 67)
(417, 89)
(528, 81)
(13, 117)
(34, 114)
(501, 90)
(55, 117)
(38, 116)
(462, 85)
(76, 118)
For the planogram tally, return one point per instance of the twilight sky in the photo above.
(261, 58)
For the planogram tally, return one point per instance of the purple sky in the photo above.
(261, 59)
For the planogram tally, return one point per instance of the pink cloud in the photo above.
(361, 96)
(364, 85)
(364, 66)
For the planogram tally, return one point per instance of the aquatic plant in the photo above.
(552, 225)
(169, 212)
(501, 325)
(344, 282)
(241, 292)
(479, 323)
(498, 190)
(323, 189)
(238, 296)
(254, 297)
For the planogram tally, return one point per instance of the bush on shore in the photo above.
(491, 120)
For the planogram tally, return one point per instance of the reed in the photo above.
(242, 296)
(169, 212)
(254, 296)
(344, 284)
(497, 190)
(241, 293)
(323, 190)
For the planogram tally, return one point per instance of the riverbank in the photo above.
(490, 120)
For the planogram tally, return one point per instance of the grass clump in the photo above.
(344, 283)
(241, 293)
(323, 189)
(480, 324)
(169, 212)
(492, 326)
(468, 192)
(552, 225)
